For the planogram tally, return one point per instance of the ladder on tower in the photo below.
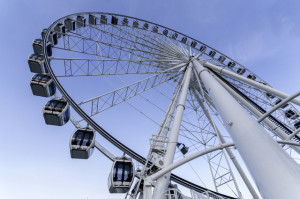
(157, 146)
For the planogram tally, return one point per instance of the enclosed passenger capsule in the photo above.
(92, 20)
(135, 24)
(121, 175)
(165, 32)
(231, 64)
(114, 20)
(297, 125)
(125, 22)
(56, 112)
(155, 29)
(82, 143)
(251, 77)
(52, 36)
(202, 48)
(174, 35)
(146, 26)
(212, 53)
(184, 40)
(278, 101)
(80, 21)
(37, 45)
(269, 95)
(241, 71)
(291, 114)
(103, 19)
(193, 44)
(60, 29)
(36, 63)
(42, 85)
(221, 59)
(70, 24)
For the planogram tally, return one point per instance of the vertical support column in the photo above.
(163, 182)
(165, 125)
(164, 128)
(276, 175)
(228, 150)
(222, 140)
(268, 122)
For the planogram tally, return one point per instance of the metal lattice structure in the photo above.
(173, 81)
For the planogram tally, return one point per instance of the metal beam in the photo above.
(105, 152)
(163, 183)
(276, 174)
(251, 82)
(276, 129)
(290, 98)
(165, 170)
(229, 152)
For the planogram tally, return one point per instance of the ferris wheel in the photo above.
(204, 112)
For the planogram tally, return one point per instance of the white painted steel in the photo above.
(269, 112)
(147, 190)
(104, 151)
(251, 82)
(293, 134)
(168, 47)
(182, 161)
(169, 69)
(288, 143)
(276, 175)
(221, 140)
(165, 125)
(169, 51)
(164, 128)
(268, 122)
(163, 182)
(228, 150)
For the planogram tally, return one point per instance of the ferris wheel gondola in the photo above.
(52, 38)
(92, 20)
(56, 112)
(60, 29)
(36, 63)
(80, 21)
(37, 45)
(42, 85)
(82, 143)
(70, 24)
(121, 176)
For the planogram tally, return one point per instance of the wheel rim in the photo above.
(242, 87)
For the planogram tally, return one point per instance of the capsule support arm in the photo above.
(104, 151)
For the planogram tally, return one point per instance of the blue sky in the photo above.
(262, 35)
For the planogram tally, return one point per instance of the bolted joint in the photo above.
(148, 181)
